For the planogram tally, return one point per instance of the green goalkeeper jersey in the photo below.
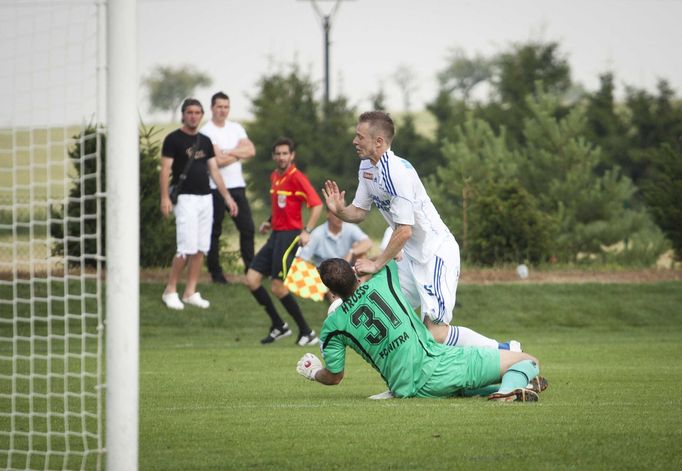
(377, 322)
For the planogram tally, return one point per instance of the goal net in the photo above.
(51, 234)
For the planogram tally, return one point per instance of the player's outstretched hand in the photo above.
(308, 366)
(333, 197)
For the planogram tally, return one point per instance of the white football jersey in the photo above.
(227, 138)
(394, 187)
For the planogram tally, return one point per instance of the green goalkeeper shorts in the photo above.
(463, 368)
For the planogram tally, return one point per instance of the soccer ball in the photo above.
(522, 271)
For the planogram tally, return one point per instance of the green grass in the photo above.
(213, 398)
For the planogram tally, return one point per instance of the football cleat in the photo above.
(517, 395)
(277, 333)
(310, 339)
(538, 384)
(384, 395)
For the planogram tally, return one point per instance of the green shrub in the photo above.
(82, 222)
(663, 193)
(157, 235)
(507, 226)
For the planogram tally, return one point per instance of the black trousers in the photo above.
(243, 222)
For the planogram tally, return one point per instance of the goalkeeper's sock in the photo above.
(290, 304)
(485, 391)
(519, 375)
(264, 300)
(464, 337)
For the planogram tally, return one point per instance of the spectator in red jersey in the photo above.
(289, 189)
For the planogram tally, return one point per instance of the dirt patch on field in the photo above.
(473, 276)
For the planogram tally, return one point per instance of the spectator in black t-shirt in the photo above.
(194, 208)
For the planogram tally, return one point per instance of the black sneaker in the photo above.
(277, 333)
(219, 278)
(310, 339)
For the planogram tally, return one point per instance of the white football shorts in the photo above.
(193, 223)
(432, 286)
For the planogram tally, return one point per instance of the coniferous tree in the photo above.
(285, 105)
(558, 167)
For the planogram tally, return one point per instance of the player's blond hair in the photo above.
(380, 124)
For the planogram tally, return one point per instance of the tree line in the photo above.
(524, 165)
(539, 170)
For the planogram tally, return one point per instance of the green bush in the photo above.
(663, 193)
(641, 250)
(157, 235)
(507, 226)
(79, 228)
(79, 218)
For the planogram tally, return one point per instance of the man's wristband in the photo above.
(305, 229)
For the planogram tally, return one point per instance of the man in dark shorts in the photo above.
(289, 189)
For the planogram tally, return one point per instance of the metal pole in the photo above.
(122, 246)
(327, 27)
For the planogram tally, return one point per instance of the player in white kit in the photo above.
(429, 269)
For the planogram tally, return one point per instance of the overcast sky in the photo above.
(238, 41)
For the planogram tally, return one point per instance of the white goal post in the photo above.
(123, 245)
(69, 235)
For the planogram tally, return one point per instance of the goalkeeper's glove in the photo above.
(308, 366)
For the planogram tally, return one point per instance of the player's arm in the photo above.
(352, 213)
(335, 200)
(325, 376)
(401, 234)
(311, 368)
(164, 175)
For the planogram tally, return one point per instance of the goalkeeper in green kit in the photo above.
(376, 321)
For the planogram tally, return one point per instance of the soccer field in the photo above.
(212, 398)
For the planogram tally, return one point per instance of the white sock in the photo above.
(465, 337)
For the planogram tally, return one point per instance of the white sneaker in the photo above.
(310, 339)
(172, 301)
(197, 300)
(384, 395)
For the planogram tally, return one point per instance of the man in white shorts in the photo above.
(194, 207)
(429, 270)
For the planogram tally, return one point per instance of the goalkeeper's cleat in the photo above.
(517, 395)
(197, 300)
(381, 396)
(538, 384)
(172, 301)
(512, 346)
(276, 333)
(310, 339)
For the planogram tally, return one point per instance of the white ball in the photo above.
(522, 271)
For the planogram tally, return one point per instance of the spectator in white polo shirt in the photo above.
(336, 239)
